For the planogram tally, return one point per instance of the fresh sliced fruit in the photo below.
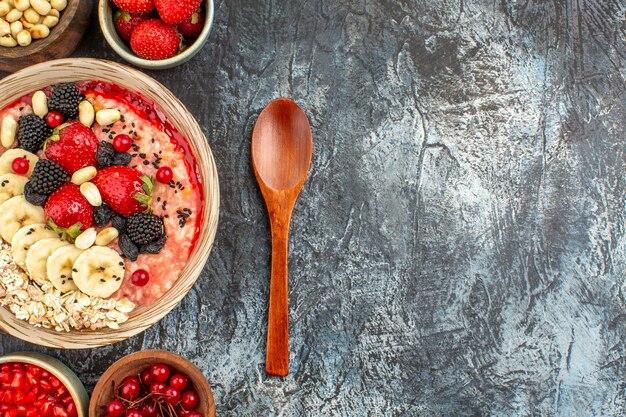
(126, 190)
(67, 207)
(126, 22)
(155, 40)
(73, 146)
(135, 6)
(7, 158)
(175, 11)
(16, 213)
(37, 258)
(24, 238)
(11, 185)
(60, 265)
(98, 271)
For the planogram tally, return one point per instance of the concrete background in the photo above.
(459, 247)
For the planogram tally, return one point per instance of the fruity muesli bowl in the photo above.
(109, 202)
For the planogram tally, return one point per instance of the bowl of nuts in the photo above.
(33, 31)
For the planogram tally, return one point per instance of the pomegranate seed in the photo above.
(67, 400)
(46, 408)
(59, 411)
(7, 398)
(122, 143)
(54, 118)
(140, 278)
(71, 410)
(179, 381)
(18, 379)
(164, 175)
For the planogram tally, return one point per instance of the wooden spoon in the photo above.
(282, 147)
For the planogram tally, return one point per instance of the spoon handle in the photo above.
(277, 354)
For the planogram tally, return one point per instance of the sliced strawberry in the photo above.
(73, 146)
(126, 190)
(155, 40)
(175, 11)
(191, 27)
(68, 212)
(126, 22)
(135, 6)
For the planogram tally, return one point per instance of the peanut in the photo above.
(107, 236)
(107, 117)
(39, 31)
(24, 39)
(83, 175)
(50, 21)
(41, 6)
(86, 239)
(85, 113)
(54, 12)
(40, 102)
(5, 27)
(13, 16)
(25, 23)
(4, 8)
(91, 193)
(22, 5)
(31, 16)
(16, 27)
(8, 41)
(8, 131)
(59, 5)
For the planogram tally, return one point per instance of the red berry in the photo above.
(120, 188)
(149, 409)
(160, 372)
(135, 6)
(54, 118)
(67, 207)
(126, 22)
(172, 395)
(20, 166)
(155, 40)
(191, 27)
(122, 143)
(158, 388)
(130, 388)
(73, 147)
(146, 377)
(179, 381)
(174, 12)
(164, 175)
(140, 278)
(133, 413)
(189, 400)
(115, 408)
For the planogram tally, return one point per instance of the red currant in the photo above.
(179, 381)
(158, 388)
(140, 278)
(115, 408)
(20, 166)
(122, 143)
(54, 118)
(133, 413)
(189, 400)
(129, 390)
(164, 175)
(172, 395)
(160, 371)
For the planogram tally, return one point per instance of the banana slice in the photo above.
(24, 238)
(16, 213)
(11, 185)
(99, 271)
(60, 265)
(6, 161)
(37, 258)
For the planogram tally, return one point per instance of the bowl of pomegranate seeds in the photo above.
(152, 383)
(34, 385)
(156, 34)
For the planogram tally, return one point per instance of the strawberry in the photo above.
(191, 27)
(68, 211)
(126, 190)
(175, 11)
(73, 146)
(125, 23)
(155, 40)
(135, 6)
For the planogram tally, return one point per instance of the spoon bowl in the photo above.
(282, 147)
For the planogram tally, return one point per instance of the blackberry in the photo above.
(105, 154)
(144, 228)
(32, 133)
(33, 197)
(65, 98)
(128, 248)
(47, 177)
(122, 158)
(154, 247)
(119, 222)
(102, 215)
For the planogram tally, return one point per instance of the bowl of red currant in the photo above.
(152, 383)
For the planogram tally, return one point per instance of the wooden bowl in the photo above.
(62, 41)
(134, 364)
(65, 70)
(67, 377)
(105, 16)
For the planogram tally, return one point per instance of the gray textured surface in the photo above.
(459, 248)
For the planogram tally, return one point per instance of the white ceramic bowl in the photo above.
(105, 16)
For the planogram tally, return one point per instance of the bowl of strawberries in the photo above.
(156, 34)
